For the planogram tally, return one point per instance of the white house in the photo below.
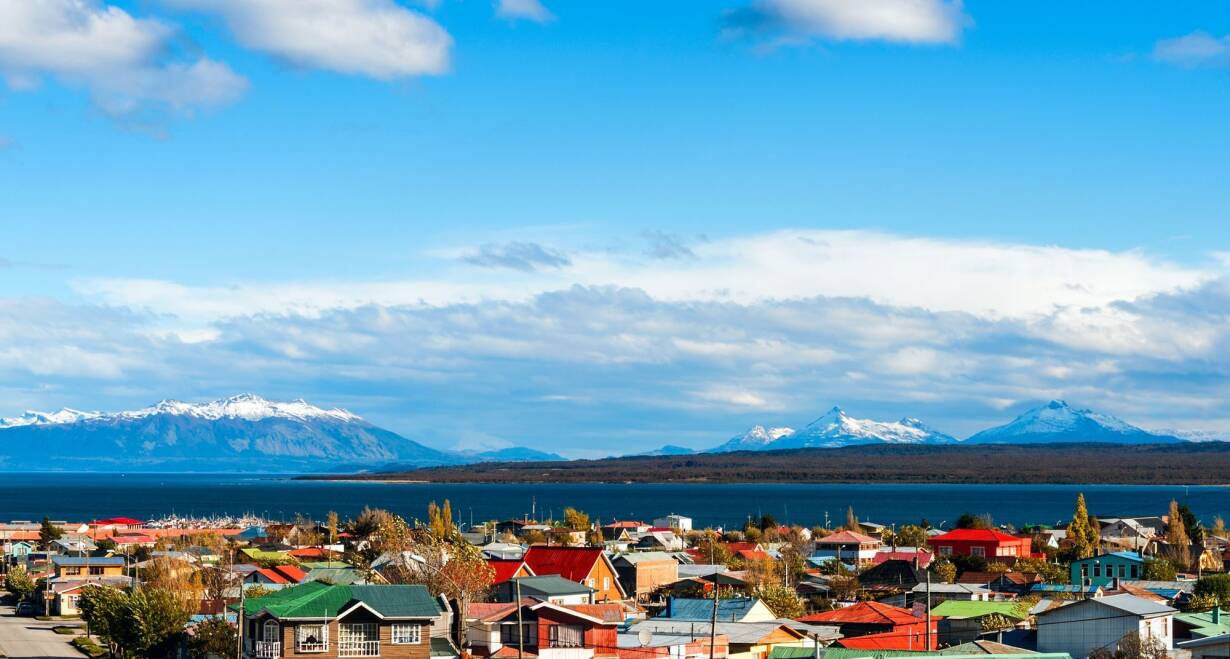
(1212, 647)
(673, 521)
(1085, 626)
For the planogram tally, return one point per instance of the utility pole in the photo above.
(520, 624)
(928, 610)
(713, 619)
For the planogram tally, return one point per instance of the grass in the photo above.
(66, 629)
(88, 647)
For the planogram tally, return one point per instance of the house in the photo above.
(896, 575)
(587, 565)
(1103, 622)
(944, 592)
(673, 521)
(1012, 582)
(507, 569)
(1107, 569)
(543, 629)
(964, 621)
(660, 539)
(747, 640)
(1212, 647)
(1170, 593)
(332, 620)
(847, 547)
(88, 566)
(278, 576)
(1125, 533)
(547, 588)
(624, 529)
(922, 555)
(984, 543)
(1202, 624)
(66, 594)
(1067, 590)
(888, 627)
(672, 646)
(17, 550)
(130, 541)
(73, 545)
(642, 573)
(503, 551)
(735, 609)
(257, 556)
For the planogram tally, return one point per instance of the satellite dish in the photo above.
(645, 636)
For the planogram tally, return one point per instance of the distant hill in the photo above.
(670, 449)
(513, 454)
(1185, 463)
(1057, 421)
(834, 429)
(242, 433)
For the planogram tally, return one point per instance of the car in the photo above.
(24, 609)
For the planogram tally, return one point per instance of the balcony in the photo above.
(306, 647)
(358, 649)
(268, 649)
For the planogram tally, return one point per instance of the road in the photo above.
(27, 637)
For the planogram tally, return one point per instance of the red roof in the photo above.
(624, 524)
(117, 521)
(505, 569)
(885, 641)
(752, 555)
(309, 552)
(872, 613)
(283, 574)
(739, 546)
(847, 538)
(924, 557)
(977, 535)
(571, 563)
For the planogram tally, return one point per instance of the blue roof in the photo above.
(729, 610)
(1125, 555)
(75, 561)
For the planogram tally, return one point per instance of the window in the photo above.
(271, 631)
(589, 582)
(96, 570)
(978, 551)
(72, 570)
(606, 583)
(70, 601)
(358, 640)
(312, 637)
(406, 633)
(1135, 571)
(566, 636)
(529, 631)
(1097, 569)
(1122, 571)
(945, 550)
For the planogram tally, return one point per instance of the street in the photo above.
(27, 637)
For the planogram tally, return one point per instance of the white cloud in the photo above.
(120, 59)
(904, 21)
(1195, 49)
(375, 38)
(530, 10)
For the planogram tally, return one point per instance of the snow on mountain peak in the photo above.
(246, 406)
(836, 428)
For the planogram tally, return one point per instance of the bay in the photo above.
(79, 497)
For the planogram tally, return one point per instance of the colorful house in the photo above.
(984, 543)
(847, 547)
(88, 566)
(543, 629)
(587, 565)
(340, 621)
(1104, 570)
(877, 626)
(508, 569)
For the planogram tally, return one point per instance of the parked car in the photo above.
(25, 609)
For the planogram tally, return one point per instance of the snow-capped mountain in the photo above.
(669, 449)
(241, 433)
(1057, 421)
(836, 428)
(758, 438)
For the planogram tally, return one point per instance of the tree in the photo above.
(256, 591)
(440, 520)
(1176, 534)
(104, 609)
(1216, 586)
(20, 584)
(450, 567)
(781, 600)
(155, 616)
(106, 544)
(576, 519)
(331, 526)
(48, 533)
(851, 520)
(1081, 532)
(215, 637)
(1159, 569)
(911, 536)
(944, 571)
(712, 549)
(1050, 572)
(972, 521)
(1195, 530)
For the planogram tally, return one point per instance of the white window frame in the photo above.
(275, 626)
(301, 644)
(353, 641)
(978, 551)
(405, 631)
(945, 550)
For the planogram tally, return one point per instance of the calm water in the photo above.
(84, 496)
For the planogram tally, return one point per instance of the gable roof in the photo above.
(977, 535)
(1129, 604)
(976, 609)
(735, 609)
(506, 569)
(572, 563)
(1124, 555)
(846, 538)
(93, 561)
(551, 584)
(316, 600)
(874, 613)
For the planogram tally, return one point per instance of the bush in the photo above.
(88, 648)
(65, 630)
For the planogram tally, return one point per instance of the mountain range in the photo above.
(247, 433)
(244, 433)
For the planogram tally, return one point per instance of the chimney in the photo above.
(1217, 615)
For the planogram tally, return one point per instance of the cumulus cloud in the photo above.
(375, 38)
(530, 10)
(126, 63)
(1195, 49)
(523, 256)
(901, 21)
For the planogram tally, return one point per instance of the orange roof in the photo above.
(606, 612)
(308, 552)
(752, 555)
(885, 641)
(847, 538)
(873, 613)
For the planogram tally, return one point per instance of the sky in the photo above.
(599, 227)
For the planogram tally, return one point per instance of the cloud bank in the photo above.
(898, 21)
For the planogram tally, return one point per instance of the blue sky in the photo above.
(604, 226)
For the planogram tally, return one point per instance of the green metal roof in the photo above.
(1203, 625)
(791, 653)
(442, 647)
(319, 600)
(976, 609)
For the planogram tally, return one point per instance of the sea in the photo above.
(81, 497)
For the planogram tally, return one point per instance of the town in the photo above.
(383, 585)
